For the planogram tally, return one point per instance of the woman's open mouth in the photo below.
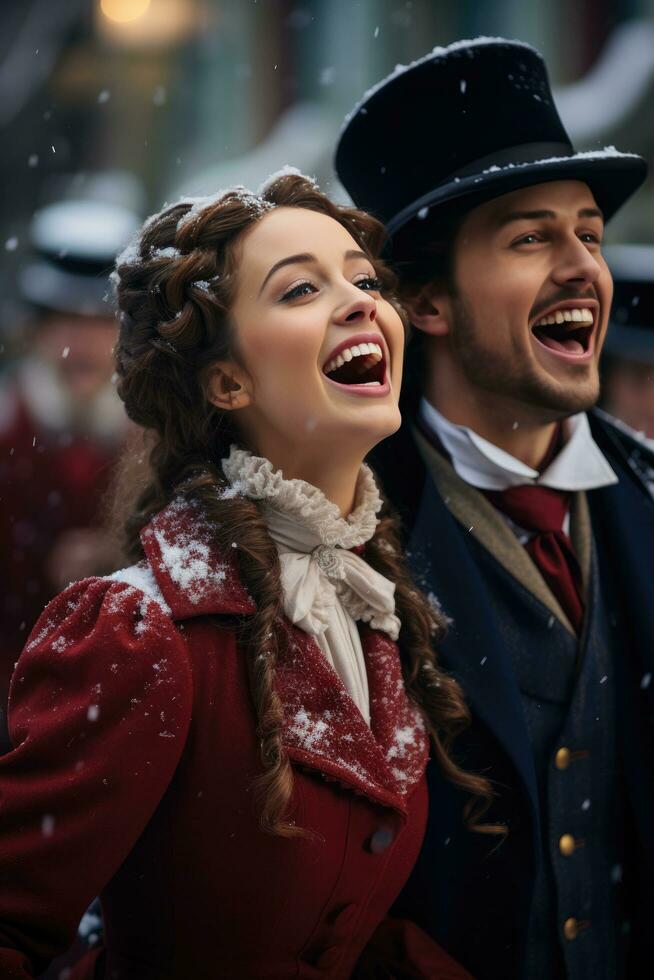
(567, 332)
(358, 364)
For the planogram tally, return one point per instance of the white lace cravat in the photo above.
(326, 587)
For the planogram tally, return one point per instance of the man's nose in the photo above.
(576, 265)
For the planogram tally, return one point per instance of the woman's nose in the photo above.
(360, 309)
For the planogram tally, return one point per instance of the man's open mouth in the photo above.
(567, 331)
(361, 365)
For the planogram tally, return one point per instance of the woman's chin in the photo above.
(371, 427)
(344, 432)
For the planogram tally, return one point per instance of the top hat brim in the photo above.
(465, 124)
(612, 177)
(50, 288)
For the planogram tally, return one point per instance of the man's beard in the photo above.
(496, 372)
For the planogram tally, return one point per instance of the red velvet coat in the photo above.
(131, 776)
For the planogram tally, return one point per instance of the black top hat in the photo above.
(631, 330)
(462, 125)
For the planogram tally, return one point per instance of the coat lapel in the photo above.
(623, 527)
(581, 536)
(194, 579)
(473, 649)
(480, 519)
(324, 730)
(623, 523)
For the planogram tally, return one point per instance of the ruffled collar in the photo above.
(255, 477)
(326, 586)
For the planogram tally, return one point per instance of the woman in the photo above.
(225, 740)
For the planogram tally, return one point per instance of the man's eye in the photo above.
(299, 289)
(530, 239)
(370, 283)
(590, 238)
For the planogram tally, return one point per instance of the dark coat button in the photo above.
(381, 840)
(329, 957)
(343, 919)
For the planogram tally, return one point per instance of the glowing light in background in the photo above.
(146, 23)
(124, 11)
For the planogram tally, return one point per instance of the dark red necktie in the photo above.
(541, 511)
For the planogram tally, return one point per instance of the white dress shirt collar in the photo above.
(580, 465)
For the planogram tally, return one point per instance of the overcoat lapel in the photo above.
(480, 519)
(473, 649)
(623, 524)
(581, 536)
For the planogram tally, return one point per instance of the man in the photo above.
(628, 370)
(525, 519)
(61, 422)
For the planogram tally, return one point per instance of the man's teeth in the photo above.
(566, 316)
(357, 350)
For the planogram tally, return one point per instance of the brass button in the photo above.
(571, 928)
(562, 758)
(567, 845)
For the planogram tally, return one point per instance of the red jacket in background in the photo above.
(131, 777)
(50, 481)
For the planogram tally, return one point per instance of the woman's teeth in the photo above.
(566, 316)
(358, 350)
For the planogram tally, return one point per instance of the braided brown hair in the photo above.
(175, 286)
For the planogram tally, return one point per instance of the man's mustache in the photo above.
(563, 297)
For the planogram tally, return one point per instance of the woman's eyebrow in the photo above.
(290, 260)
(353, 253)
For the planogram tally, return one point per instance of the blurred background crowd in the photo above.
(108, 108)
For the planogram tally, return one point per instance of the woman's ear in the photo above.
(228, 386)
(431, 311)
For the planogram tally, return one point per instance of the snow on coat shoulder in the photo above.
(134, 599)
(182, 575)
(141, 577)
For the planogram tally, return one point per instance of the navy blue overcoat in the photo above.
(471, 892)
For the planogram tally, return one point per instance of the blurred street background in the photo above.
(186, 96)
(109, 108)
